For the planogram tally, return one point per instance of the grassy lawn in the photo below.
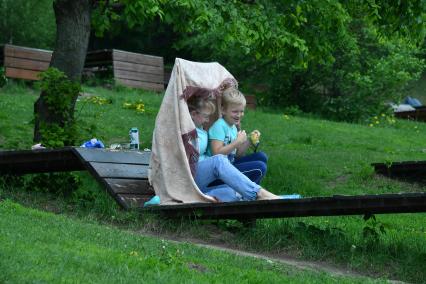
(310, 156)
(43, 247)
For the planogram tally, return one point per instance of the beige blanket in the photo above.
(174, 154)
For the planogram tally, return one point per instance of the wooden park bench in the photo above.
(23, 62)
(129, 69)
(124, 176)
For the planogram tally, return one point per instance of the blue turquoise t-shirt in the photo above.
(222, 131)
(202, 143)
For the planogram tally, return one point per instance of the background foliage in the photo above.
(27, 23)
(341, 59)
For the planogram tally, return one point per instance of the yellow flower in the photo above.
(371, 125)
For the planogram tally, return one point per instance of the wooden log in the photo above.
(125, 56)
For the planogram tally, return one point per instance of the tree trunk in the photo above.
(72, 39)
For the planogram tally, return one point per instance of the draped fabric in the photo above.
(174, 150)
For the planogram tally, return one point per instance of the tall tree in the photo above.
(72, 38)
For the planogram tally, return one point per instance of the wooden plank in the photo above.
(21, 73)
(29, 53)
(130, 186)
(133, 201)
(29, 64)
(120, 55)
(112, 156)
(39, 161)
(109, 170)
(144, 77)
(135, 67)
(316, 206)
(139, 84)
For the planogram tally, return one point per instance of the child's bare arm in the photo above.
(242, 149)
(217, 146)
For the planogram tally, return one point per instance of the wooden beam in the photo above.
(315, 206)
(39, 161)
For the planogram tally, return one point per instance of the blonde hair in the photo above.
(232, 96)
(196, 103)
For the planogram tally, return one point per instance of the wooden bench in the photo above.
(129, 68)
(23, 62)
(419, 114)
(124, 175)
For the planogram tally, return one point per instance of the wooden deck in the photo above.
(124, 175)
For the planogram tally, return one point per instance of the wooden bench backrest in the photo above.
(25, 63)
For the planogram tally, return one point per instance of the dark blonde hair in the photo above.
(196, 103)
(233, 96)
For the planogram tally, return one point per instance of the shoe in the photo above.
(291, 196)
(153, 201)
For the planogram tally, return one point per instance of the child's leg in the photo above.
(219, 167)
(258, 156)
(223, 193)
(253, 166)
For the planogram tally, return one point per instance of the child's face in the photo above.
(233, 113)
(200, 117)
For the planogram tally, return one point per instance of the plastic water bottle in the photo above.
(134, 138)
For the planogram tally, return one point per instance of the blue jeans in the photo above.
(219, 167)
(253, 166)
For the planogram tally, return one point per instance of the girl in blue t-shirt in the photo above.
(237, 186)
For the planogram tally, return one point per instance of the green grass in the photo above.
(310, 156)
(43, 247)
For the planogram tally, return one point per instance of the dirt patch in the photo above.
(338, 180)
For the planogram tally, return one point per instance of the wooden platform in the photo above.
(124, 175)
(23, 62)
(315, 206)
(129, 69)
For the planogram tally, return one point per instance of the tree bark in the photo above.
(72, 39)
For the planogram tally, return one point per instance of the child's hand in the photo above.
(242, 137)
(255, 137)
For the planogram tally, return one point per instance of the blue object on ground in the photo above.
(153, 201)
(291, 196)
(412, 102)
(93, 143)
